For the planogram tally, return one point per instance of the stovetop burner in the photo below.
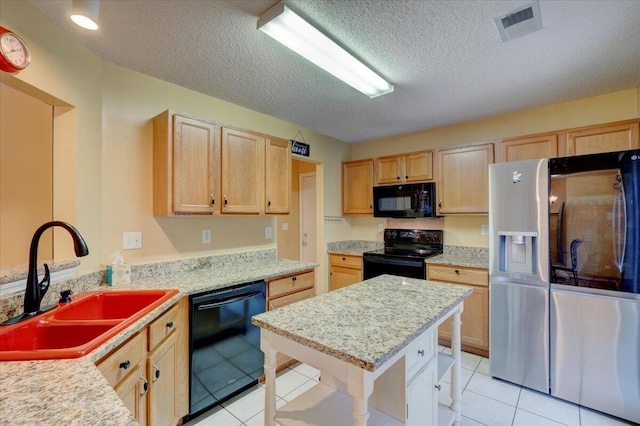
(406, 243)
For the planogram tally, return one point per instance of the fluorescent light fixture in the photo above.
(85, 13)
(290, 29)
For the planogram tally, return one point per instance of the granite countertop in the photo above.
(13, 273)
(472, 257)
(354, 247)
(73, 391)
(367, 323)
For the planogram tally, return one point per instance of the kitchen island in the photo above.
(375, 344)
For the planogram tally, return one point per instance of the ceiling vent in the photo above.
(519, 22)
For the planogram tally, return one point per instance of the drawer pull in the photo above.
(438, 387)
(294, 278)
(421, 352)
(344, 258)
(145, 385)
(170, 324)
(456, 271)
(156, 373)
(125, 365)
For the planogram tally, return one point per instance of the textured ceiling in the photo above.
(445, 58)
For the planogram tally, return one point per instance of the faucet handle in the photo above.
(44, 284)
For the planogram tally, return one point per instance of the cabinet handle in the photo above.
(438, 387)
(406, 177)
(294, 278)
(145, 385)
(156, 373)
(125, 365)
(225, 201)
(456, 271)
(213, 201)
(398, 177)
(170, 324)
(421, 352)
(440, 204)
(268, 204)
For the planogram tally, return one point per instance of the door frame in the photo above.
(300, 215)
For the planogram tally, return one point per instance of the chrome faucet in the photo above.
(35, 290)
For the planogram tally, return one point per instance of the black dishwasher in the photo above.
(224, 347)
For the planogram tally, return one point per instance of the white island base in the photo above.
(401, 391)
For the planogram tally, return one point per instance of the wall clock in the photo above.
(14, 54)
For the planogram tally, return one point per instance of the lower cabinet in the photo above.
(422, 404)
(475, 317)
(282, 291)
(150, 371)
(344, 270)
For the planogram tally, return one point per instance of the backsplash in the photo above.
(436, 223)
(12, 305)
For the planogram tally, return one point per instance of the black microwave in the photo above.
(405, 201)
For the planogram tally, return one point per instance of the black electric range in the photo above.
(404, 253)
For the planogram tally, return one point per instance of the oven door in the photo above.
(404, 267)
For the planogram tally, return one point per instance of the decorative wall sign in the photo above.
(300, 148)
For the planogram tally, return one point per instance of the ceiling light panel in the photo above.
(290, 29)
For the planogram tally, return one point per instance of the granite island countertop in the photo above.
(366, 323)
(73, 391)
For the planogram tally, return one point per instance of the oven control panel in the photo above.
(419, 236)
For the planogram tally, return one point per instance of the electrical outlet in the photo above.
(380, 227)
(268, 232)
(484, 230)
(131, 240)
(285, 226)
(206, 236)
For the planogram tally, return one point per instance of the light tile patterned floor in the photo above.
(485, 401)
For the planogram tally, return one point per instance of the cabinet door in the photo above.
(463, 179)
(529, 148)
(278, 176)
(133, 393)
(195, 170)
(163, 376)
(611, 137)
(389, 170)
(342, 277)
(357, 187)
(418, 166)
(422, 401)
(474, 330)
(242, 172)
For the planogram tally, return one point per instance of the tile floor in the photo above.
(485, 401)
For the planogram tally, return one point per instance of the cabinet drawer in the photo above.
(163, 326)
(288, 285)
(457, 274)
(116, 366)
(346, 261)
(419, 353)
(294, 297)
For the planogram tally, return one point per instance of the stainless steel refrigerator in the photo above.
(565, 278)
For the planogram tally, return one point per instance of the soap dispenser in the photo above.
(65, 297)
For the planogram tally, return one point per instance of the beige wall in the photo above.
(26, 174)
(466, 230)
(112, 108)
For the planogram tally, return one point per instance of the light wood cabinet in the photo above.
(283, 291)
(357, 187)
(344, 270)
(463, 179)
(617, 136)
(475, 317)
(529, 148)
(411, 167)
(186, 165)
(277, 176)
(150, 372)
(242, 171)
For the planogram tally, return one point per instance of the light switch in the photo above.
(268, 232)
(285, 226)
(206, 236)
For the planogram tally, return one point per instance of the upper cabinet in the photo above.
(278, 176)
(201, 168)
(618, 136)
(357, 187)
(411, 167)
(463, 179)
(529, 147)
(186, 166)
